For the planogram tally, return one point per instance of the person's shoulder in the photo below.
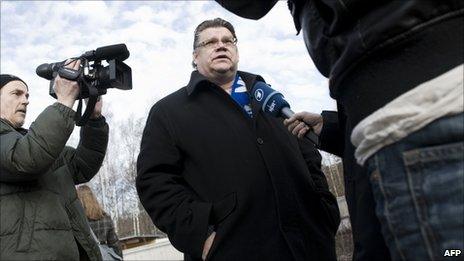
(171, 101)
(174, 97)
(5, 127)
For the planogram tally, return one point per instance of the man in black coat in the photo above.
(224, 180)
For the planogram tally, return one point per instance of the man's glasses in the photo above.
(213, 43)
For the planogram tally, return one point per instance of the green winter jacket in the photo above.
(41, 217)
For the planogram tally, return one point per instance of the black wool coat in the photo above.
(204, 163)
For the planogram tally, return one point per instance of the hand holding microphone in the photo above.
(273, 102)
(302, 122)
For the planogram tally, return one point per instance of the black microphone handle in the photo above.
(310, 135)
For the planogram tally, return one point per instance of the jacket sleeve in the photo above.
(251, 9)
(172, 205)
(24, 158)
(85, 161)
(332, 135)
(327, 199)
(112, 239)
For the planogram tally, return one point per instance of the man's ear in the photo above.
(194, 59)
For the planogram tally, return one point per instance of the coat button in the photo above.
(260, 141)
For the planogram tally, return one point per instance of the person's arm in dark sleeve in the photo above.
(251, 9)
(112, 238)
(172, 205)
(328, 201)
(25, 158)
(331, 138)
(85, 161)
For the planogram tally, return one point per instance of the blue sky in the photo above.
(159, 36)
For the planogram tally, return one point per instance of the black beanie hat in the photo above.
(6, 78)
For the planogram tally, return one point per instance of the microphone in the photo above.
(110, 52)
(273, 103)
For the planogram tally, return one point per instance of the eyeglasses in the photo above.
(213, 43)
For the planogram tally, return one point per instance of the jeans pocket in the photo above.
(393, 206)
(436, 178)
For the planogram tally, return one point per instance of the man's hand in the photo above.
(207, 246)
(66, 90)
(301, 122)
(97, 110)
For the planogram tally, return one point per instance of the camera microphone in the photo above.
(273, 103)
(110, 52)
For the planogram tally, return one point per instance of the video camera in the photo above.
(94, 78)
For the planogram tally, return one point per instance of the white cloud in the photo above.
(159, 35)
(141, 14)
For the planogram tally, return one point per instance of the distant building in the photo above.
(159, 249)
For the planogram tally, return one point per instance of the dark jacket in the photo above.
(204, 162)
(104, 231)
(340, 34)
(41, 216)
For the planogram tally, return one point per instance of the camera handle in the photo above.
(75, 75)
(81, 120)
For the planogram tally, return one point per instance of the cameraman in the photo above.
(41, 216)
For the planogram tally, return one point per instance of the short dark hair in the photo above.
(216, 22)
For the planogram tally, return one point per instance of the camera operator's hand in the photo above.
(97, 110)
(301, 122)
(67, 91)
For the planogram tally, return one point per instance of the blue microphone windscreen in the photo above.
(270, 100)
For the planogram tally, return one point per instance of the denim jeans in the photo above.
(418, 186)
